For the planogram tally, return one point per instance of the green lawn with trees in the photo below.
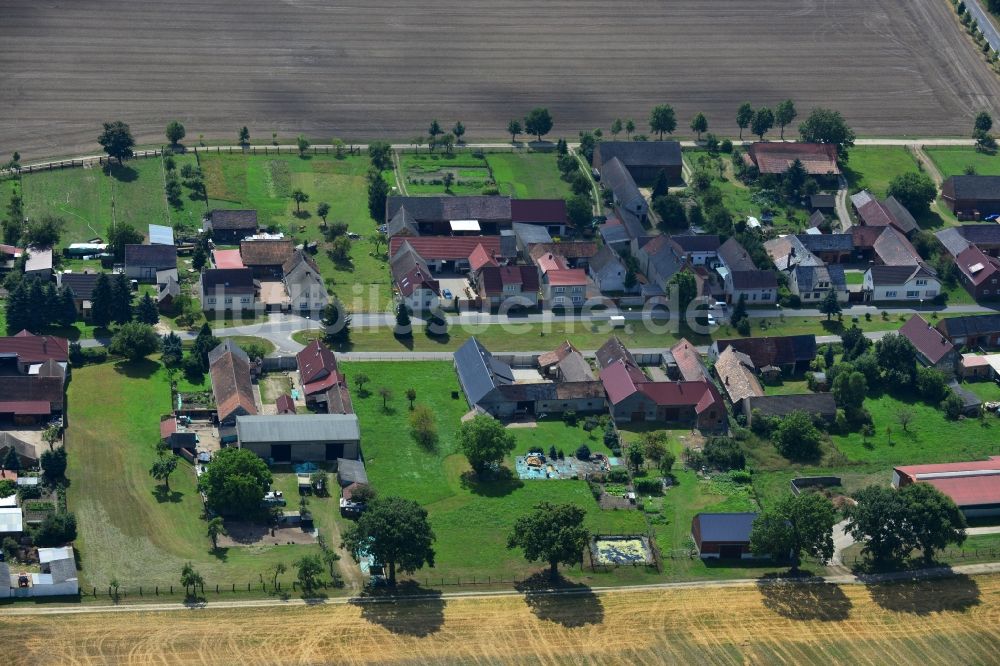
(90, 200)
(471, 518)
(528, 175)
(955, 160)
(873, 167)
(130, 527)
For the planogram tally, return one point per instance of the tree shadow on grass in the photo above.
(163, 495)
(500, 484)
(561, 601)
(122, 173)
(804, 598)
(221, 554)
(419, 616)
(141, 369)
(956, 593)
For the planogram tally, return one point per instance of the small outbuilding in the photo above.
(723, 535)
(351, 472)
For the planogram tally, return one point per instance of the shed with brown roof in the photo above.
(266, 257)
(232, 382)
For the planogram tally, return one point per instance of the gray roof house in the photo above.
(811, 283)
(608, 270)
(142, 262)
(643, 159)
(231, 226)
(300, 437)
(480, 374)
(616, 178)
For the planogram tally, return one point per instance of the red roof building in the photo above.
(322, 381)
(227, 259)
(446, 248)
(973, 486)
(30, 349)
(933, 349)
(480, 258)
(819, 159)
(569, 277)
(550, 212)
(284, 404)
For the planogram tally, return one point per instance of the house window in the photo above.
(304, 305)
(921, 283)
(912, 294)
(754, 296)
(559, 290)
(229, 300)
(890, 294)
(211, 301)
(993, 281)
(245, 299)
(815, 294)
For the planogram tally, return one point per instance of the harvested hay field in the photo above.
(947, 621)
(363, 70)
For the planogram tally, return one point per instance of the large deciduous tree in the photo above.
(175, 132)
(935, 521)
(828, 126)
(763, 121)
(538, 122)
(914, 190)
(784, 114)
(235, 483)
(797, 437)
(396, 532)
(134, 340)
(662, 119)
(485, 442)
(699, 124)
(796, 524)
(744, 115)
(879, 521)
(117, 141)
(552, 533)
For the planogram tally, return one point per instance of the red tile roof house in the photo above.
(415, 285)
(32, 377)
(446, 253)
(232, 383)
(633, 398)
(980, 273)
(933, 349)
(973, 486)
(323, 384)
(565, 288)
(819, 159)
(285, 404)
(507, 287)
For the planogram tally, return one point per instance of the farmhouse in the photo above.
(304, 283)
(232, 382)
(660, 259)
(167, 294)
(874, 213)
(507, 287)
(933, 349)
(616, 179)
(972, 331)
(58, 576)
(819, 159)
(33, 371)
(490, 386)
(564, 287)
(633, 398)
(737, 377)
(900, 283)
(322, 382)
(229, 227)
(830, 248)
(683, 362)
(548, 214)
(778, 406)
(417, 289)
(698, 250)
(82, 286)
(565, 364)
(608, 271)
(723, 535)
(39, 262)
(980, 273)
(792, 354)
(266, 257)
(644, 160)
(741, 277)
(972, 197)
(973, 486)
(984, 236)
(142, 262)
(811, 283)
(305, 437)
(228, 289)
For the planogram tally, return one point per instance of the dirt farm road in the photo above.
(386, 69)
(946, 620)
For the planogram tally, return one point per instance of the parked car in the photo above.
(446, 293)
(274, 498)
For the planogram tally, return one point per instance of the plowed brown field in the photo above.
(946, 621)
(384, 68)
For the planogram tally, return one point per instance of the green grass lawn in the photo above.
(423, 173)
(986, 390)
(90, 199)
(931, 437)
(471, 519)
(873, 167)
(953, 160)
(854, 277)
(528, 175)
(265, 183)
(127, 528)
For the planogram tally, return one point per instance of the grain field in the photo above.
(384, 68)
(946, 621)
